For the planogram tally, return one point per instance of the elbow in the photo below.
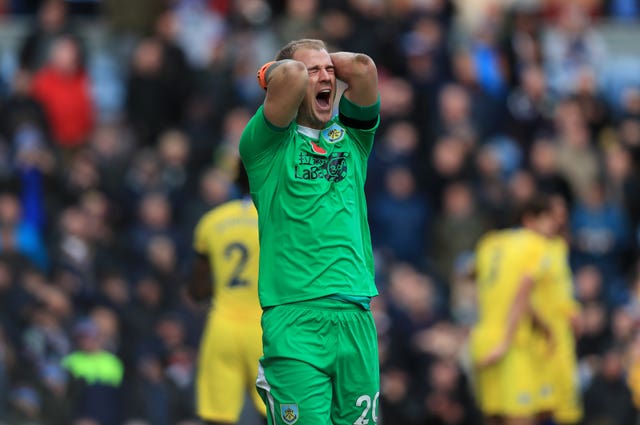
(363, 65)
(292, 74)
(296, 76)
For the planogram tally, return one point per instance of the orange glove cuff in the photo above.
(262, 73)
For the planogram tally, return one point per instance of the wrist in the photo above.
(262, 74)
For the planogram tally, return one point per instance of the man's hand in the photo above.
(495, 355)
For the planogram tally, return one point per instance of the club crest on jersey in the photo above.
(333, 134)
(289, 413)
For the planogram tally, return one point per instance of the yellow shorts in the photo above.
(228, 368)
(509, 387)
(543, 361)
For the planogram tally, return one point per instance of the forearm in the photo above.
(519, 308)
(359, 72)
(286, 83)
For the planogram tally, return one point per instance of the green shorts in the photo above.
(320, 364)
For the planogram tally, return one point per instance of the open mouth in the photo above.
(323, 98)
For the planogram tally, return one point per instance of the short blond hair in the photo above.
(292, 47)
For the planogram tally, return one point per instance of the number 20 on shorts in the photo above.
(365, 402)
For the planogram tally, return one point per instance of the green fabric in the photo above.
(96, 368)
(321, 362)
(309, 192)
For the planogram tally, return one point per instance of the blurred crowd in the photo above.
(119, 125)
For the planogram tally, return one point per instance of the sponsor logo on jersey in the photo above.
(333, 134)
(289, 413)
(332, 168)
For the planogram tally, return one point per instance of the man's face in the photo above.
(317, 106)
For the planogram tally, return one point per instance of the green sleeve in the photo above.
(259, 143)
(361, 121)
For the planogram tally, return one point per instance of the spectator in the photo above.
(608, 398)
(404, 240)
(52, 22)
(457, 228)
(62, 86)
(96, 377)
(18, 235)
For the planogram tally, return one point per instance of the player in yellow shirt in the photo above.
(226, 269)
(558, 394)
(509, 263)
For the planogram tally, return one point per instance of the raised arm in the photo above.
(359, 72)
(286, 84)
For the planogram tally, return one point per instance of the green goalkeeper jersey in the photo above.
(308, 187)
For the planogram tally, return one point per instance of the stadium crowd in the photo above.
(112, 148)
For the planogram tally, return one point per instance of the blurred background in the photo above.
(119, 126)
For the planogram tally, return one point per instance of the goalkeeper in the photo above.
(307, 169)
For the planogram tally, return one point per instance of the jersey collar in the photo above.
(309, 132)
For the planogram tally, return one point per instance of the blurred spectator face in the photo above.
(396, 97)
(400, 183)
(458, 200)
(87, 336)
(631, 101)
(21, 82)
(155, 211)
(149, 293)
(52, 15)
(449, 156)
(586, 83)
(444, 375)
(576, 135)
(568, 113)
(147, 58)
(618, 163)
(336, 24)
(464, 68)
(534, 82)
(401, 137)
(167, 25)
(454, 103)
(303, 10)
(114, 287)
(623, 324)
(10, 210)
(629, 132)
(412, 291)
(64, 56)
(174, 148)
(522, 186)
(394, 385)
(95, 206)
(215, 187)
(594, 319)
(74, 223)
(612, 366)
(171, 331)
(106, 141)
(161, 253)
(6, 276)
(234, 123)
(543, 157)
(107, 322)
(488, 163)
(588, 283)
(83, 173)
